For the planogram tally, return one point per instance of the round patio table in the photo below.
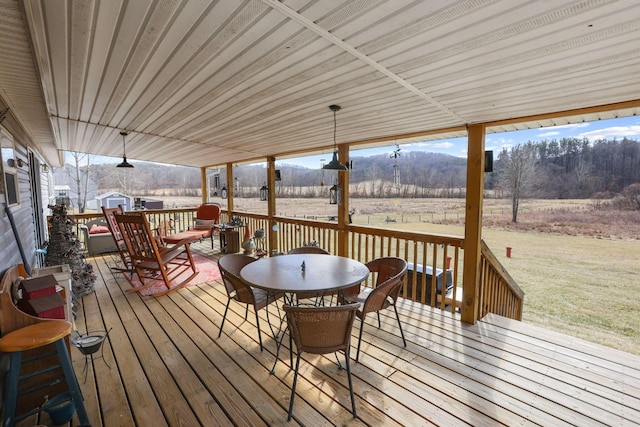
(290, 274)
(321, 273)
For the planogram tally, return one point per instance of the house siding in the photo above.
(23, 214)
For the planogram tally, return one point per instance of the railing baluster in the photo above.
(498, 292)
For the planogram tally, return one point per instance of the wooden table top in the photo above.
(35, 336)
(284, 273)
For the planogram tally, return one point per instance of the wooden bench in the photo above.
(11, 319)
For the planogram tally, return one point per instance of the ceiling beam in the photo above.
(567, 113)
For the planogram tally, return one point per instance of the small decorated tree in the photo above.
(65, 248)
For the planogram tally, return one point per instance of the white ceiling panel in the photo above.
(205, 82)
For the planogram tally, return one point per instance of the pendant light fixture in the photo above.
(335, 164)
(264, 192)
(335, 195)
(124, 163)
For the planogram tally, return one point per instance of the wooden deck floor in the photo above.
(164, 365)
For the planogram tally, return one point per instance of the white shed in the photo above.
(113, 199)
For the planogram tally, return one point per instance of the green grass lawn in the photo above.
(585, 287)
(582, 286)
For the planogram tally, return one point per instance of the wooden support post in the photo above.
(343, 207)
(271, 207)
(230, 189)
(204, 185)
(473, 224)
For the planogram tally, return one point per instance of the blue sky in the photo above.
(603, 129)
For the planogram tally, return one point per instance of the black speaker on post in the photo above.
(488, 161)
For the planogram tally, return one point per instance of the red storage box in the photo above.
(49, 307)
(38, 287)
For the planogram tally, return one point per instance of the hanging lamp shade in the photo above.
(124, 163)
(335, 164)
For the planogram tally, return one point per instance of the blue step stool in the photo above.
(28, 338)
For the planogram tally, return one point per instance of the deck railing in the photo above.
(499, 293)
(435, 276)
(426, 253)
(434, 261)
(176, 220)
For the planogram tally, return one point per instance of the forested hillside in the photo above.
(572, 168)
(565, 168)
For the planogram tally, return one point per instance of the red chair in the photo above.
(207, 215)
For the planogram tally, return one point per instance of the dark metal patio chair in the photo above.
(321, 330)
(238, 290)
(309, 250)
(390, 272)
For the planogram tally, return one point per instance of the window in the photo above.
(10, 174)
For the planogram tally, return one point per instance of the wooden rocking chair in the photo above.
(151, 261)
(110, 217)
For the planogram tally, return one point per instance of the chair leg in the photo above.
(72, 381)
(400, 325)
(340, 367)
(246, 312)
(278, 346)
(293, 388)
(11, 389)
(224, 317)
(257, 325)
(379, 324)
(290, 349)
(360, 337)
(353, 399)
(273, 332)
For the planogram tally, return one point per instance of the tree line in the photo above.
(573, 168)
(569, 168)
(563, 168)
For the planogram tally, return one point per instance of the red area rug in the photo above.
(207, 272)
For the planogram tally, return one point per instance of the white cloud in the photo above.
(611, 132)
(569, 126)
(497, 144)
(548, 134)
(441, 145)
(551, 131)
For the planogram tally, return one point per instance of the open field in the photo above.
(578, 267)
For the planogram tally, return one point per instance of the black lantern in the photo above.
(264, 192)
(335, 195)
